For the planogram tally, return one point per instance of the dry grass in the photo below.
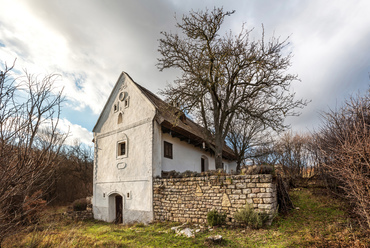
(320, 221)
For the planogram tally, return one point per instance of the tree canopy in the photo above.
(227, 76)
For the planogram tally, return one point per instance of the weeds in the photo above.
(214, 218)
(320, 221)
(251, 218)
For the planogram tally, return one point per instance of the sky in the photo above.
(90, 42)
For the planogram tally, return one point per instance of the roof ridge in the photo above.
(169, 112)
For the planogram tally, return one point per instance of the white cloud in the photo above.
(76, 132)
(90, 42)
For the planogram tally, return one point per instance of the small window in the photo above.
(167, 150)
(115, 107)
(126, 103)
(122, 148)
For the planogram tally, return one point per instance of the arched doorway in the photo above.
(115, 208)
(119, 208)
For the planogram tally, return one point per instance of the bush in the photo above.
(80, 204)
(258, 169)
(250, 217)
(215, 218)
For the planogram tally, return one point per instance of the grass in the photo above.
(320, 221)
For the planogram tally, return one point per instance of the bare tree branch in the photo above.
(223, 76)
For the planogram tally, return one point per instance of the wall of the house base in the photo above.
(190, 199)
(136, 201)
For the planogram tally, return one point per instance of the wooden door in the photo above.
(119, 208)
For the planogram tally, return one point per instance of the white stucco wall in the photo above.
(188, 157)
(129, 176)
(157, 149)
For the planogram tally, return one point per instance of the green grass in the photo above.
(320, 221)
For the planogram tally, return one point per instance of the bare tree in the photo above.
(226, 75)
(246, 137)
(29, 145)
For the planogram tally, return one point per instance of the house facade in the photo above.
(136, 137)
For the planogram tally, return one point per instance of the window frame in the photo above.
(118, 149)
(167, 150)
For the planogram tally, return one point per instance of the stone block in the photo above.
(257, 200)
(255, 190)
(240, 185)
(250, 185)
(264, 185)
(235, 197)
(264, 195)
(247, 191)
(237, 191)
(268, 200)
(269, 190)
(264, 206)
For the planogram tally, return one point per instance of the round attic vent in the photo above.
(122, 96)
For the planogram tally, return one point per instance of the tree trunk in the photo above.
(238, 163)
(218, 152)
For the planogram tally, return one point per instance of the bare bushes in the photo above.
(344, 153)
(80, 204)
(74, 175)
(292, 156)
(257, 169)
(29, 146)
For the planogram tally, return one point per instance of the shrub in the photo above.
(215, 218)
(257, 169)
(80, 204)
(250, 217)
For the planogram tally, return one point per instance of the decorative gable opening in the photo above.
(120, 117)
(126, 102)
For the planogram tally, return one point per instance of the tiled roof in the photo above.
(172, 119)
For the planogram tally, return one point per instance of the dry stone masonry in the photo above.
(190, 199)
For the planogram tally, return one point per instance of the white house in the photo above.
(136, 137)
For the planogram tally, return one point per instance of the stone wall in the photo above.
(79, 215)
(190, 199)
